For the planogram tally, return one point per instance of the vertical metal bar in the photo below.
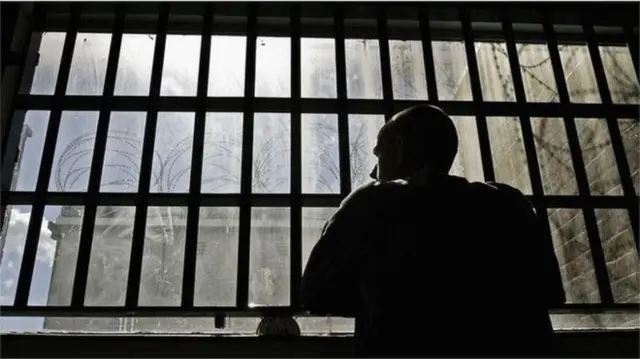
(614, 130)
(476, 91)
(427, 52)
(142, 200)
(95, 174)
(37, 211)
(385, 61)
(244, 247)
(578, 163)
(296, 159)
(632, 44)
(195, 186)
(343, 116)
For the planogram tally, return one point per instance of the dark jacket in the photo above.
(444, 269)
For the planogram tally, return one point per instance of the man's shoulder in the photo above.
(374, 191)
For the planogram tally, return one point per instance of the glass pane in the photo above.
(595, 321)
(110, 255)
(31, 145)
(12, 241)
(450, 61)
(227, 66)
(52, 281)
(181, 64)
(135, 63)
(74, 152)
(579, 74)
(163, 257)
(270, 263)
(313, 221)
(507, 150)
(407, 70)
(121, 167)
(46, 71)
(495, 71)
(537, 73)
(89, 64)
(222, 155)
(621, 76)
(217, 258)
(271, 157)
(172, 152)
(273, 67)
(620, 254)
(468, 163)
(363, 132)
(572, 249)
(554, 157)
(364, 79)
(630, 132)
(320, 159)
(318, 67)
(598, 156)
(326, 325)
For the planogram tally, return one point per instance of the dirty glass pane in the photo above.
(554, 157)
(318, 67)
(363, 132)
(630, 132)
(74, 152)
(46, 72)
(495, 72)
(163, 257)
(579, 74)
(621, 76)
(364, 79)
(181, 65)
(12, 240)
(31, 145)
(320, 159)
(273, 67)
(222, 155)
(507, 151)
(134, 66)
(407, 70)
(468, 163)
(452, 75)
(121, 167)
(270, 263)
(173, 148)
(89, 64)
(110, 255)
(537, 73)
(227, 66)
(271, 153)
(217, 257)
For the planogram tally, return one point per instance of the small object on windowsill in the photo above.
(278, 327)
(219, 321)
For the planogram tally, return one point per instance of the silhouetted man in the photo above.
(429, 263)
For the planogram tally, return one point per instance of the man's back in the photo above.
(445, 268)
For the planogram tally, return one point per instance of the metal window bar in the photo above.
(242, 295)
(614, 131)
(294, 105)
(632, 44)
(33, 234)
(385, 62)
(296, 160)
(595, 243)
(476, 91)
(144, 181)
(95, 173)
(427, 53)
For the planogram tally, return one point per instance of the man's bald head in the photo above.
(420, 136)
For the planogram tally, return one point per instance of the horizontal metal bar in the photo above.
(50, 311)
(236, 104)
(277, 200)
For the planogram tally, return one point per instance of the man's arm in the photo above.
(330, 283)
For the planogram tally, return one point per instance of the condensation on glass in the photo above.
(181, 65)
(133, 76)
(163, 257)
(273, 67)
(74, 152)
(364, 77)
(271, 153)
(407, 70)
(318, 67)
(173, 148)
(110, 256)
(320, 159)
(89, 64)
(122, 156)
(227, 66)
(217, 257)
(554, 156)
(507, 151)
(451, 70)
(222, 155)
(363, 132)
(269, 267)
